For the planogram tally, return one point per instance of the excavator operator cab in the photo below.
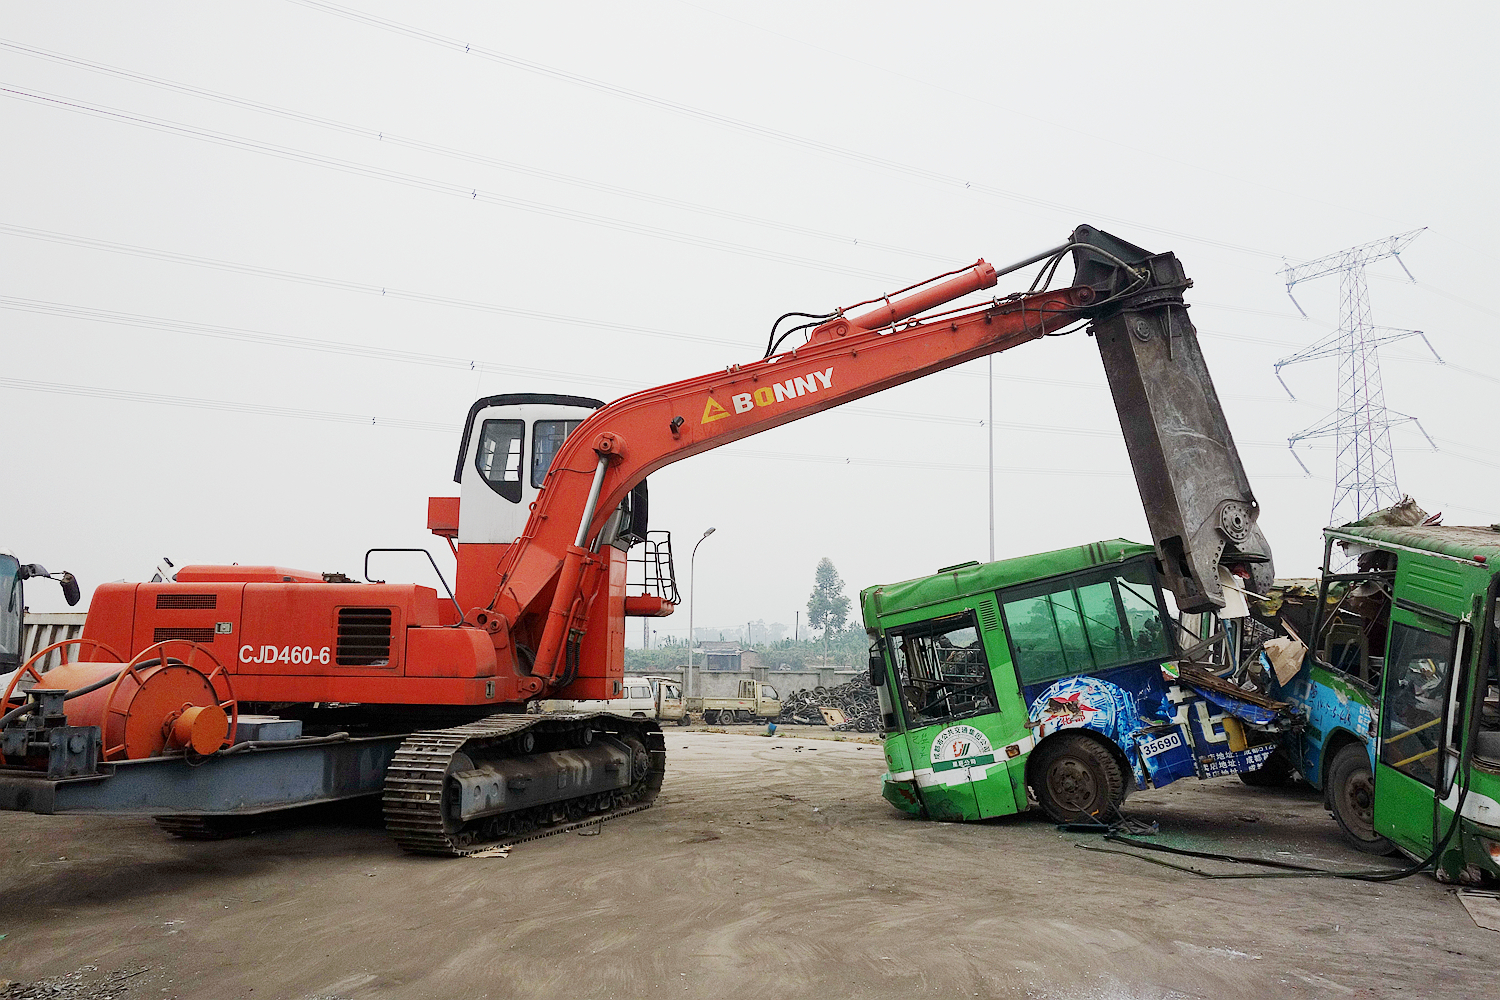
(509, 443)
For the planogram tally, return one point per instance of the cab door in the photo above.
(668, 701)
(954, 726)
(1416, 755)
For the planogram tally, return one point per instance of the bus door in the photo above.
(1416, 759)
(954, 724)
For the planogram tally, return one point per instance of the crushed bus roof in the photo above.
(1459, 542)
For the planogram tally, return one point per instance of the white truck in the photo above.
(643, 697)
(755, 701)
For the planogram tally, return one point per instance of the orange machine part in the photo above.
(15, 694)
(201, 727)
(173, 695)
(144, 704)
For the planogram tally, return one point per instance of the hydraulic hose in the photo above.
(301, 741)
(1290, 870)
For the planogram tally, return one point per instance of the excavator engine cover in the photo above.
(1198, 502)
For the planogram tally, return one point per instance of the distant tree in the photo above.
(827, 608)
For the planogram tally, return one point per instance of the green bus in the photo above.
(1401, 692)
(1053, 675)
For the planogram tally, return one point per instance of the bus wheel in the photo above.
(1076, 780)
(1351, 790)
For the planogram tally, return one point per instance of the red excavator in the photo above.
(235, 691)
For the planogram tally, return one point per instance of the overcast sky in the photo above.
(199, 199)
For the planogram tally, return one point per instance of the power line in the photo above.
(454, 362)
(386, 291)
(286, 341)
(464, 191)
(263, 409)
(295, 343)
(389, 138)
(751, 128)
(979, 98)
(368, 288)
(364, 419)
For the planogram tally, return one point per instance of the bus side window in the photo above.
(1084, 622)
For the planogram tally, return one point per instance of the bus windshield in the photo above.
(942, 671)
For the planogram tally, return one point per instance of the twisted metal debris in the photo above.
(856, 699)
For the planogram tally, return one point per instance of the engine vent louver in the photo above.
(364, 637)
(988, 618)
(190, 634)
(199, 601)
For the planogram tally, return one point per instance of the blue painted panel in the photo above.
(1166, 730)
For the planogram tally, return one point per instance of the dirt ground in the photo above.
(768, 866)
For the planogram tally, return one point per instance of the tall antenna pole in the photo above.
(1365, 464)
(991, 423)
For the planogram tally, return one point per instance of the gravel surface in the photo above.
(768, 865)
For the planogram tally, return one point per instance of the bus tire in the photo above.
(1351, 792)
(1076, 780)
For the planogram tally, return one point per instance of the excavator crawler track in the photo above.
(419, 794)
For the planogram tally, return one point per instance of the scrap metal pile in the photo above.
(855, 699)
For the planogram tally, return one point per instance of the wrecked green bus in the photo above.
(1055, 675)
(1400, 688)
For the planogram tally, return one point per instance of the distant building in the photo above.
(726, 656)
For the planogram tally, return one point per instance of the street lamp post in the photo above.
(692, 587)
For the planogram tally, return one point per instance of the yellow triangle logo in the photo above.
(713, 411)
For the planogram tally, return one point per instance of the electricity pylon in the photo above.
(1365, 466)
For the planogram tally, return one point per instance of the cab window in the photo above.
(942, 671)
(10, 612)
(767, 691)
(546, 437)
(498, 457)
(1084, 623)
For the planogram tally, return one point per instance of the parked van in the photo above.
(644, 697)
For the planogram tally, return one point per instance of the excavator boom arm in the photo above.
(1196, 495)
